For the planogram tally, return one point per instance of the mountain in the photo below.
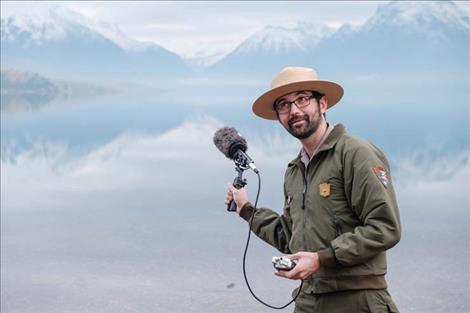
(415, 40)
(419, 14)
(273, 45)
(19, 84)
(280, 40)
(63, 45)
(404, 41)
(28, 90)
(401, 41)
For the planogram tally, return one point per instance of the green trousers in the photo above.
(350, 301)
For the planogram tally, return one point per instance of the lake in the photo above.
(115, 203)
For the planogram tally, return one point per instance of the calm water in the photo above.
(115, 204)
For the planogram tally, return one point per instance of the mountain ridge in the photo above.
(429, 37)
(390, 42)
(63, 47)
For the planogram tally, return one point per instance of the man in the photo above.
(340, 213)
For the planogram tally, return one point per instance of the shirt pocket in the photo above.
(343, 218)
(330, 195)
(293, 205)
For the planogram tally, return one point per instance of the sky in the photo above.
(203, 28)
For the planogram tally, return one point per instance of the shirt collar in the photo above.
(328, 142)
(304, 155)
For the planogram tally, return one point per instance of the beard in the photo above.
(305, 130)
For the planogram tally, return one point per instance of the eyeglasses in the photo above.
(285, 106)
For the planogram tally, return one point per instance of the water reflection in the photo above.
(25, 102)
(140, 222)
(84, 124)
(114, 203)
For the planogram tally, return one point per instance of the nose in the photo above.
(294, 110)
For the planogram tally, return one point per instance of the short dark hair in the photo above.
(317, 95)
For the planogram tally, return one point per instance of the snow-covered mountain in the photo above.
(271, 40)
(417, 14)
(402, 40)
(284, 40)
(281, 40)
(408, 39)
(274, 44)
(200, 60)
(62, 43)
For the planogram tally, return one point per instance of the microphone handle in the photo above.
(232, 206)
(238, 183)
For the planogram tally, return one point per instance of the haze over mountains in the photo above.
(137, 168)
(400, 39)
(63, 45)
(26, 91)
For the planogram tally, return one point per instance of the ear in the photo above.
(323, 104)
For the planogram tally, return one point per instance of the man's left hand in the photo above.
(307, 264)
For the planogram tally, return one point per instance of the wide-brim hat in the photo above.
(292, 79)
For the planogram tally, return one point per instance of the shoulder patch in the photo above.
(381, 174)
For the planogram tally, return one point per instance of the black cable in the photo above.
(246, 250)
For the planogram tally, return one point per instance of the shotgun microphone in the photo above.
(229, 141)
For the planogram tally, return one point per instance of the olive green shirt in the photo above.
(304, 157)
(341, 205)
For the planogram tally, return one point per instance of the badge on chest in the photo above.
(325, 190)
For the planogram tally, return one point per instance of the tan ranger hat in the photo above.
(292, 79)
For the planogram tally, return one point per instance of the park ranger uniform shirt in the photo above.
(340, 204)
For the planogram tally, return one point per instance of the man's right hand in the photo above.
(238, 195)
(308, 263)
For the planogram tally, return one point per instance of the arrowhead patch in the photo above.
(381, 174)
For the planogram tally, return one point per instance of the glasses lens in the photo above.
(282, 107)
(302, 101)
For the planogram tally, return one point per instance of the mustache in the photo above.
(296, 118)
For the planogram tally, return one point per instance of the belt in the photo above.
(331, 284)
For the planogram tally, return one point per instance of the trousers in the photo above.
(348, 301)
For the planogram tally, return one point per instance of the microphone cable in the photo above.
(244, 258)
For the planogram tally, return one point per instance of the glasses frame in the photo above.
(310, 97)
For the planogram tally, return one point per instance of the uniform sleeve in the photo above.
(369, 190)
(271, 227)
